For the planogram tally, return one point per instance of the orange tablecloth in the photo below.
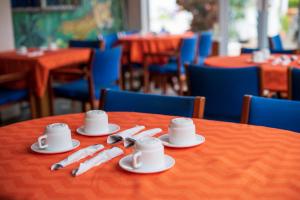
(41, 66)
(236, 162)
(274, 77)
(137, 45)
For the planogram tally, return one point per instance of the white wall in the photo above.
(6, 26)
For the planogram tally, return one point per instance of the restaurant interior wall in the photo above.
(38, 27)
(6, 27)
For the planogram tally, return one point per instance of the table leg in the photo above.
(40, 105)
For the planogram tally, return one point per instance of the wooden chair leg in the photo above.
(146, 82)
(131, 78)
(83, 106)
(180, 82)
(164, 84)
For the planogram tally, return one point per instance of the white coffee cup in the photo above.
(22, 50)
(148, 153)
(96, 121)
(266, 52)
(57, 136)
(53, 46)
(258, 56)
(182, 131)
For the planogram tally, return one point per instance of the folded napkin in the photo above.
(129, 141)
(78, 155)
(102, 157)
(124, 134)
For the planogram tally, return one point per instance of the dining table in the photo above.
(274, 75)
(40, 63)
(236, 161)
(137, 45)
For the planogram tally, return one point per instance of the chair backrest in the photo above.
(223, 89)
(85, 43)
(188, 49)
(248, 50)
(276, 113)
(294, 84)
(112, 100)
(109, 39)
(105, 66)
(205, 44)
(283, 51)
(275, 42)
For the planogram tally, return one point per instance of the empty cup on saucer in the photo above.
(182, 131)
(148, 154)
(96, 121)
(56, 137)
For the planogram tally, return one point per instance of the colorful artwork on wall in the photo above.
(35, 29)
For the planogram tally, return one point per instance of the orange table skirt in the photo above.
(236, 162)
(41, 66)
(274, 77)
(137, 45)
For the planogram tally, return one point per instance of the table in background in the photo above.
(237, 161)
(137, 45)
(274, 76)
(41, 66)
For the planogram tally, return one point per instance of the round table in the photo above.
(237, 161)
(274, 77)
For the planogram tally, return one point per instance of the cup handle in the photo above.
(136, 163)
(42, 142)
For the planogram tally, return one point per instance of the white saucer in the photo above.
(112, 128)
(36, 148)
(165, 140)
(126, 164)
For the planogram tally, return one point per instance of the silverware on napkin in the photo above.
(112, 139)
(129, 141)
(102, 157)
(78, 155)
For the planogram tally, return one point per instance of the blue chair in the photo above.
(103, 72)
(113, 100)
(204, 46)
(294, 84)
(283, 51)
(85, 43)
(248, 50)
(275, 42)
(109, 40)
(12, 96)
(276, 113)
(186, 54)
(223, 89)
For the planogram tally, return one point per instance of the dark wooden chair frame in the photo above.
(199, 104)
(164, 77)
(15, 77)
(85, 73)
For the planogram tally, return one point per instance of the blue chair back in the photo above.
(85, 43)
(248, 50)
(223, 89)
(147, 103)
(294, 88)
(283, 51)
(188, 49)
(275, 42)
(109, 40)
(276, 113)
(106, 66)
(205, 44)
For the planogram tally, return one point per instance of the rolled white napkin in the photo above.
(78, 155)
(124, 134)
(129, 141)
(102, 157)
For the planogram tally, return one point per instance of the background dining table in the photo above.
(274, 77)
(237, 161)
(137, 45)
(40, 66)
